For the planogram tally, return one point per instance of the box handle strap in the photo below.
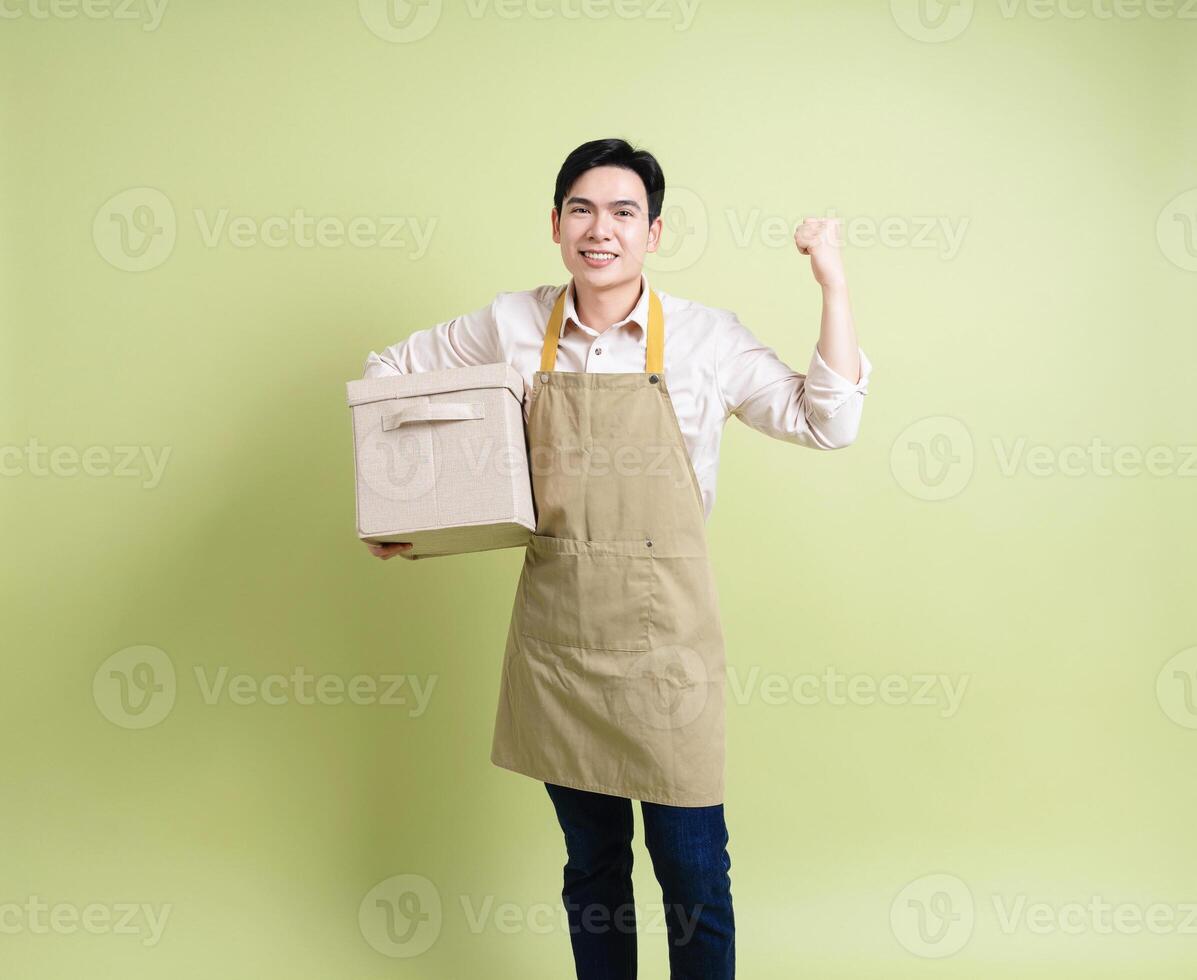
(433, 412)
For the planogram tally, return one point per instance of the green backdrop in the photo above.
(961, 712)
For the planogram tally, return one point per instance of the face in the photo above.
(606, 210)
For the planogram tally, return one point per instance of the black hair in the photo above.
(613, 153)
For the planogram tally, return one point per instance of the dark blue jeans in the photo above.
(688, 848)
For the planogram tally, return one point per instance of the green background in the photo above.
(1061, 147)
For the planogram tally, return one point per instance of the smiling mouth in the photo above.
(599, 258)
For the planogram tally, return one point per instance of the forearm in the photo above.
(837, 333)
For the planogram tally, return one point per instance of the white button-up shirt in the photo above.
(714, 366)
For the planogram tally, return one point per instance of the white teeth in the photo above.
(599, 255)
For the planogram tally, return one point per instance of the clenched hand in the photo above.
(389, 549)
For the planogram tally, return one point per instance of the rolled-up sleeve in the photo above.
(820, 409)
(469, 339)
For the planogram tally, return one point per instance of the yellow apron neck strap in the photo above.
(654, 354)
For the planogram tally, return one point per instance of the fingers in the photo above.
(812, 231)
(389, 549)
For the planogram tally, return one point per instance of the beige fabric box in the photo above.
(442, 460)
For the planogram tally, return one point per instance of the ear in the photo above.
(654, 234)
(555, 220)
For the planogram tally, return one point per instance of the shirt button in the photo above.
(598, 350)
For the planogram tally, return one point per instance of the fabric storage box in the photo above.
(441, 459)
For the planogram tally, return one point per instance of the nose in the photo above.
(600, 227)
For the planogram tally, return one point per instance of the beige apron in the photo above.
(613, 674)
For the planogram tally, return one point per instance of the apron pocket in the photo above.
(596, 595)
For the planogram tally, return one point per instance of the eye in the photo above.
(576, 209)
(625, 211)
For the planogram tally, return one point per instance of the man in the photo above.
(612, 684)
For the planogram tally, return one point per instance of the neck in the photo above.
(600, 307)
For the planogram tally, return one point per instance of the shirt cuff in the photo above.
(827, 390)
(376, 367)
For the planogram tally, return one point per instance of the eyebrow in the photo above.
(588, 202)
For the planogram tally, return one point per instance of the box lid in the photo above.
(498, 375)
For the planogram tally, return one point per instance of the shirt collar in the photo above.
(638, 318)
